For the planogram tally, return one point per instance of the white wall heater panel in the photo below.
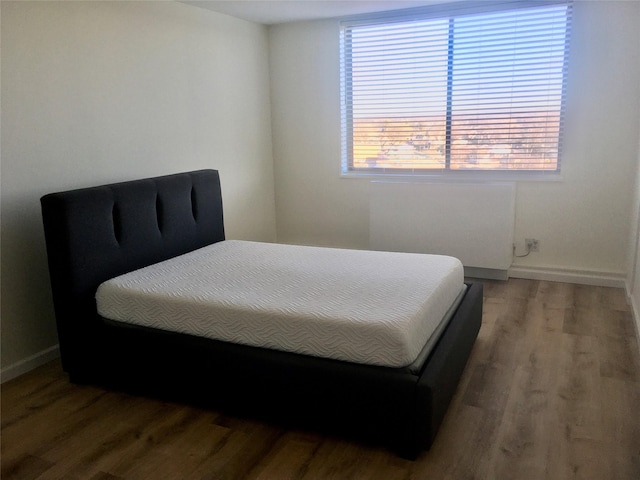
(473, 222)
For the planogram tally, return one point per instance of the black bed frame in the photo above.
(94, 234)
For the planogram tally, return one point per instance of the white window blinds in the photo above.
(477, 88)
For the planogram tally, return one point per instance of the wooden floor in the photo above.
(551, 391)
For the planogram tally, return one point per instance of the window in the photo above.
(479, 87)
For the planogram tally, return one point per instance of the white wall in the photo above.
(95, 92)
(633, 273)
(582, 222)
(633, 279)
(313, 204)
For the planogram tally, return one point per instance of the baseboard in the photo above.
(582, 277)
(486, 273)
(634, 313)
(636, 318)
(28, 364)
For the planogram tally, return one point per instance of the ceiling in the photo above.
(271, 12)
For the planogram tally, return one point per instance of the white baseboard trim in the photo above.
(582, 277)
(486, 273)
(29, 363)
(634, 313)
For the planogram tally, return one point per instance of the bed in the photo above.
(102, 239)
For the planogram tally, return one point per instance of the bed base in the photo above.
(97, 233)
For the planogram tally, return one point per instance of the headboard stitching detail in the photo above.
(159, 213)
(194, 204)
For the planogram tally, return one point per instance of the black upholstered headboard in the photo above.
(93, 234)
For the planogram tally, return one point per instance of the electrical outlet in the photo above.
(532, 244)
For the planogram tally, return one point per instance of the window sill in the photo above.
(452, 177)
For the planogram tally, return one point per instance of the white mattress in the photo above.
(377, 308)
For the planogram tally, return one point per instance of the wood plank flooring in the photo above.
(551, 391)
